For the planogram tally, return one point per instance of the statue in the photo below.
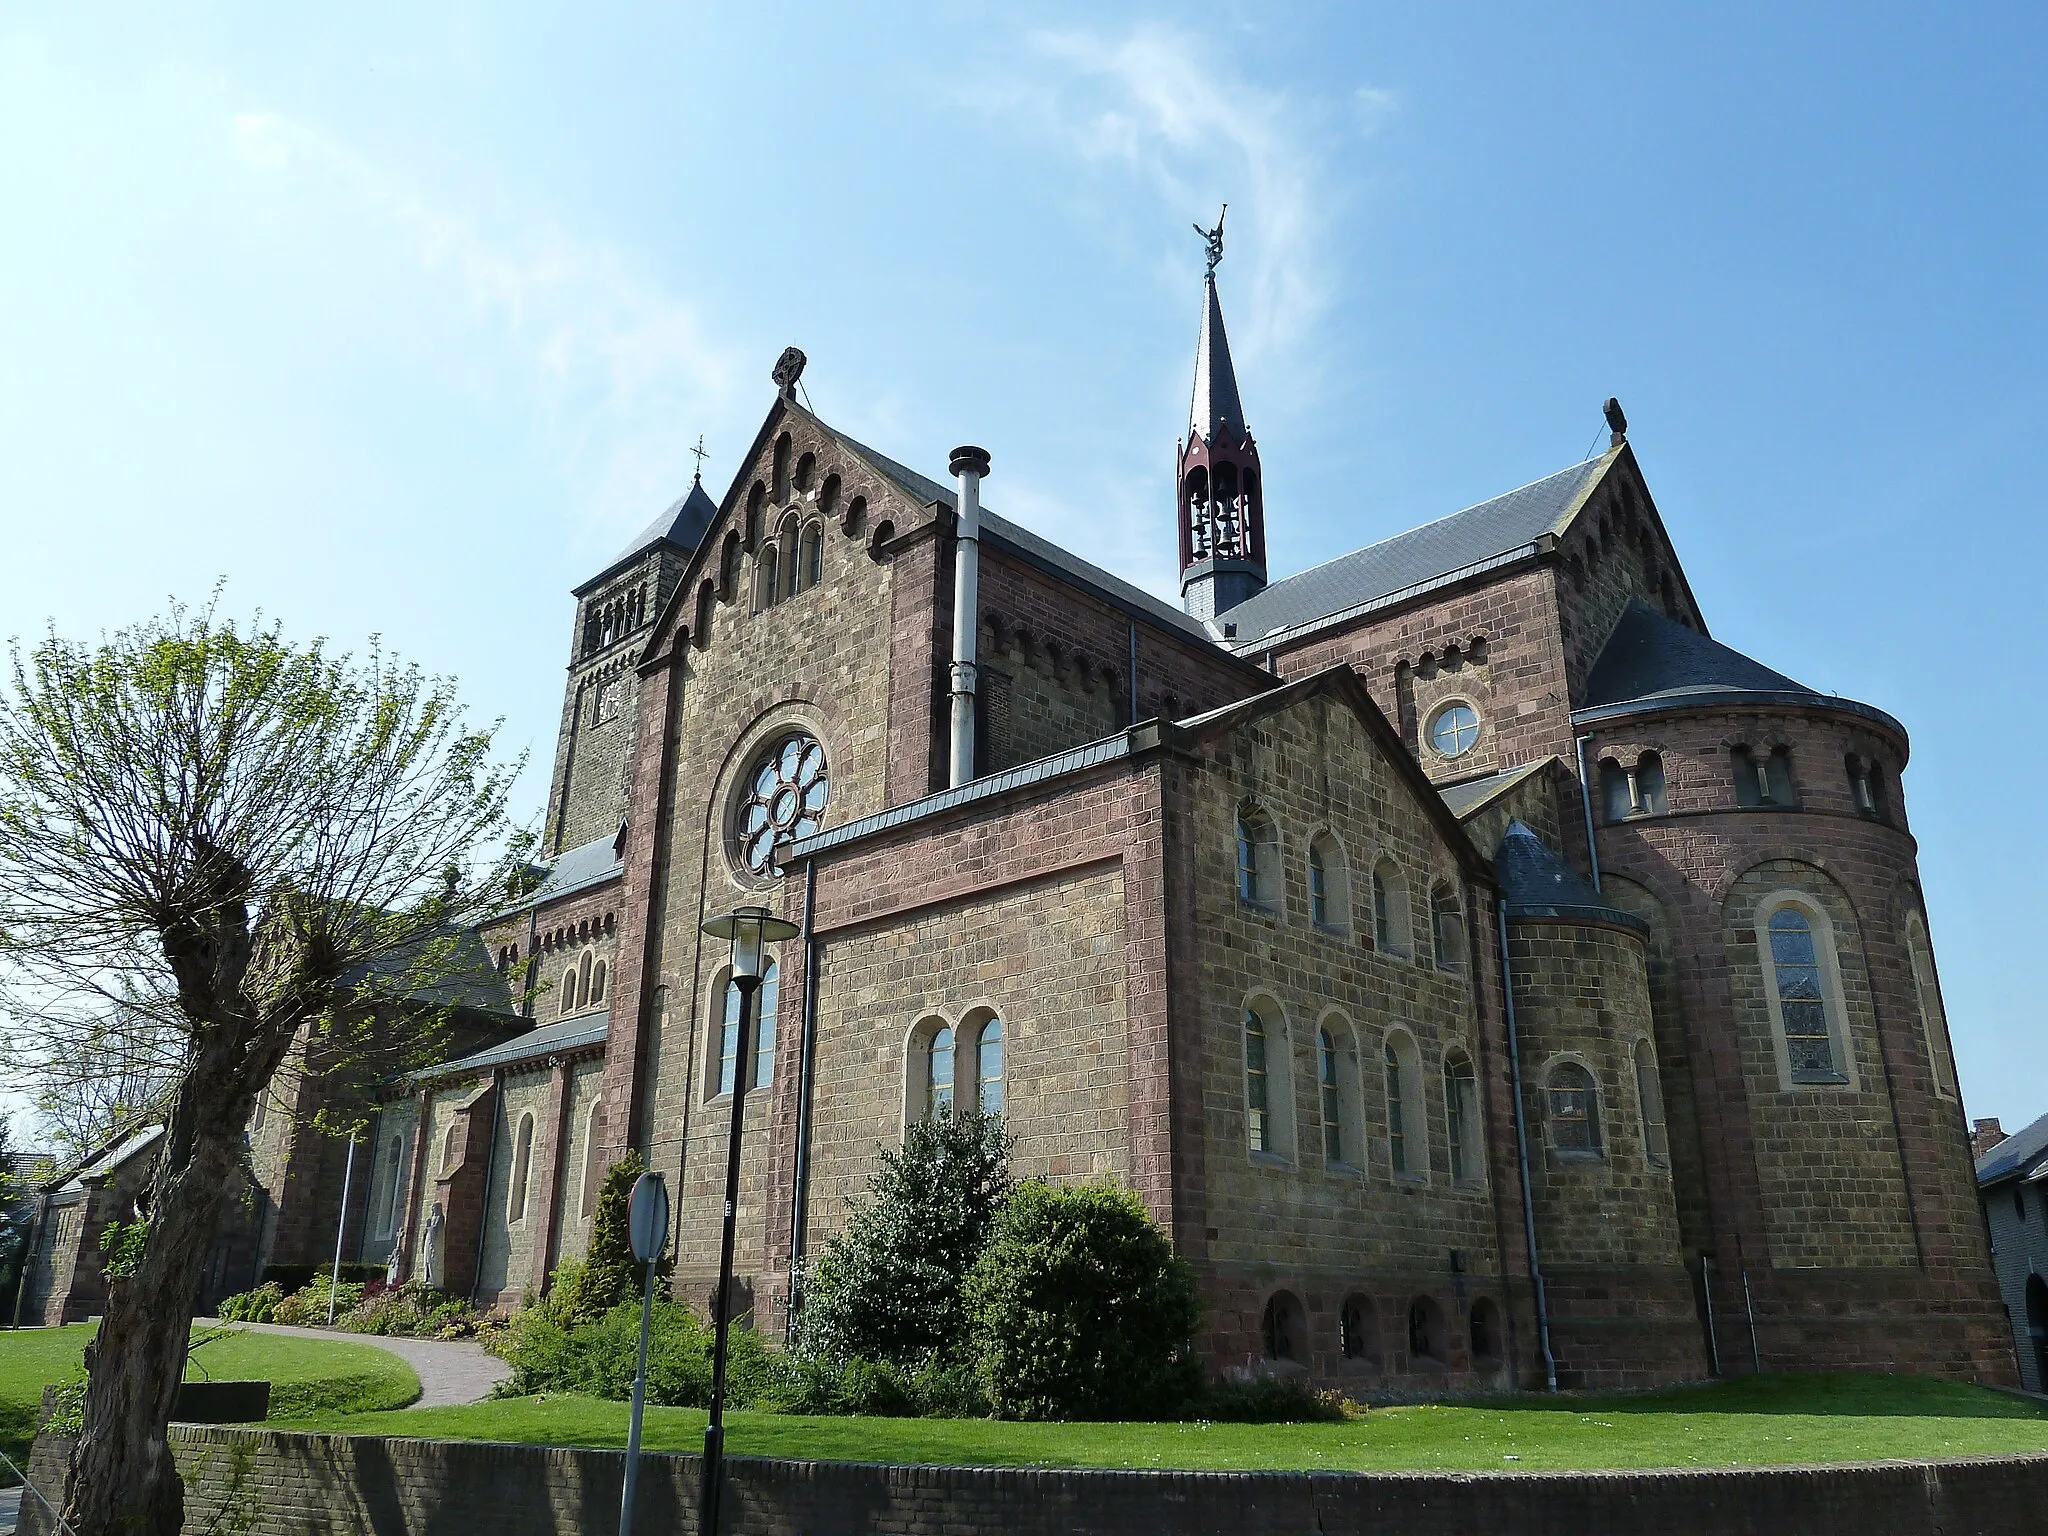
(1213, 239)
(433, 1263)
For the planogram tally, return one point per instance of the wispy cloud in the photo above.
(616, 362)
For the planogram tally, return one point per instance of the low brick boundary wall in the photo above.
(299, 1485)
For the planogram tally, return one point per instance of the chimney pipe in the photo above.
(968, 465)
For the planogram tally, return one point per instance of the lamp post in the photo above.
(748, 929)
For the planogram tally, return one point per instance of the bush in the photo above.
(598, 1357)
(308, 1308)
(815, 1385)
(1271, 1400)
(411, 1311)
(296, 1277)
(609, 1274)
(257, 1306)
(1079, 1308)
(888, 1287)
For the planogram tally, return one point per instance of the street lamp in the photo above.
(748, 929)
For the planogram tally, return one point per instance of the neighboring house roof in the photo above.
(104, 1161)
(2022, 1155)
(1472, 796)
(578, 1033)
(1536, 882)
(574, 869)
(463, 974)
(682, 525)
(1650, 660)
(1478, 538)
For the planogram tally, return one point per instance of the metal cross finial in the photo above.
(1213, 238)
(699, 451)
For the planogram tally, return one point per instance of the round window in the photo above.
(784, 798)
(1453, 729)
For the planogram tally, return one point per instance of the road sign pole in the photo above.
(648, 1223)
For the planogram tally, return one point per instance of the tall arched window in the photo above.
(787, 540)
(1258, 1087)
(597, 983)
(450, 1146)
(1801, 990)
(1258, 881)
(1650, 1098)
(729, 566)
(1927, 1001)
(728, 1038)
(1389, 909)
(1573, 1107)
(813, 560)
(522, 1170)
(767, 1003)
(707, 602)
(393, 1185)
(1330, 1097)
(1461, 1116)
(766, 589)
(1329, 884)
(988, 1057)
(1617, 797)
(939, 1075)
(1650, 784)
(1318, 886)
(1447, 928)
(593, 1161)
(1407, 1125)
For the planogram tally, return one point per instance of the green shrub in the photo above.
(1270, 1400)
(888, 1287)
(1079, 1308)
(257, 1306)
(598, 1357)
(815, 1385)
(609, 1274)
(308, 1308)
(411, 1311)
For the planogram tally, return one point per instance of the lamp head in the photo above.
(749, 929)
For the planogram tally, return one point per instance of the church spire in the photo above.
(1220, 496)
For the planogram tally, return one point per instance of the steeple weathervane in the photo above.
(1213, 239)
(699, 451)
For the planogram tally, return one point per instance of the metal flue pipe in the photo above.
(968, 465)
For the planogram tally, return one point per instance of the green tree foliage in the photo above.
(1080, 1309)
(887, 1288)
(214, 841)
(609, 1274)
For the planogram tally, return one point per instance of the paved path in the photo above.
(10, 1506)
(450, 1370)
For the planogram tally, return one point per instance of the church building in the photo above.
(1485, 975)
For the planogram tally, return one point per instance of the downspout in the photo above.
(1586, 802)
(1507, 992)
(483, 1221)
(800, 1199)
(968, 465)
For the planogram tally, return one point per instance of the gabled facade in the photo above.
(1484, 975)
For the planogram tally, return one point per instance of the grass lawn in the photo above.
(1746, 1422)
(306, 1375)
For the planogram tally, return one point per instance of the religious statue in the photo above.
(1213, 239)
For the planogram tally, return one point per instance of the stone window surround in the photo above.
(592, 1168)
(783, 719)
(1832, 995)
(1350, 1093)
(1473, 1142)
(966, 1026)
(1414, 1106)
(1602, 1142)
(1281, 1145)
(1436, 709)
(1644, 1119)
(713, 1091)
(1336, 880)
(519, 1189)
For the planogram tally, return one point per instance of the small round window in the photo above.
(1453, 729)
(784, 798)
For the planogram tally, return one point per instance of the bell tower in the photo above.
(1220, 491)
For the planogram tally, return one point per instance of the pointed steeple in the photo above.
(1221, 498)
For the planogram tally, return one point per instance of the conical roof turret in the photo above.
(1216, 409)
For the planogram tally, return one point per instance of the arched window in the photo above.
(1358, 1332)
(1425, 1330)
(729, 567)
(988, 1058)
(767, 1002)
(1573, 1107)
(806, 471)
(1258, 1086)
(781, 471)
(1927, 1001)
(593, 1161)
(707, 601)
(1650, 1099)
(1778, 777)
(1330, 1097)
(856, 517)
(1461, 1117)
(765, 589)
(569, 991)
(1329, 885)
(597, 984)
(728, 1039)
(1617, 795)
(1284, 1329)
(1257, 850)
(786, 540)
(1407, 1127)
(522, 1170)
(450, 1147)
(1650, 784)
(1765, 782)
(828, 495)
(880, 539)
(1447, 928)
(1800, 987)
(939, 1075)
(813, 556)
(1389, 909)
(392, 1184)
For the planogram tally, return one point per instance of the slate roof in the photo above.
(1215, 407)
(574, 869)
(2024, 1154)
(1535, 882)
(584, 1030)
(1649, 656)
(682, 524)
(1492, 533)
(1040, 551)
(1475, 794)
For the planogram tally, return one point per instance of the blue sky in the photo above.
(404, 318)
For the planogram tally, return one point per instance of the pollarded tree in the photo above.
(209, 831)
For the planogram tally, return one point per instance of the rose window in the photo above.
(785, 799)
